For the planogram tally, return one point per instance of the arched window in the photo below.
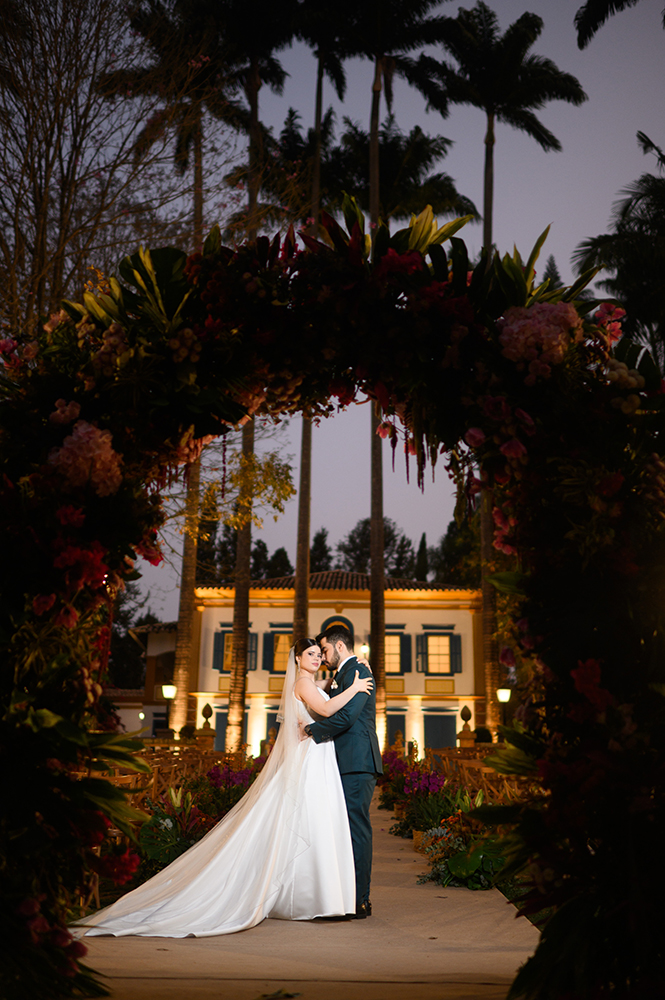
(337, 620)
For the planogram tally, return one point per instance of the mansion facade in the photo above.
(434, 664)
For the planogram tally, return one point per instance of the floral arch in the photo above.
(523, 388)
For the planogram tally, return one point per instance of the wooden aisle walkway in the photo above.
(422, 942)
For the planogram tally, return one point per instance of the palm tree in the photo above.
(634, 255)
(184, 643)
(386, 29)
(377, 579)
(189, 68)
(497, 74)
(301, 583)
(593, 14)
(240, 634)
(252, 33)
(406, 183)
(328, 30)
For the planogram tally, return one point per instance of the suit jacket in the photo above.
(353, 728)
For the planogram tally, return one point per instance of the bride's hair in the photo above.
(302, 644)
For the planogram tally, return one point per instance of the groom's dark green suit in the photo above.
(353, 729)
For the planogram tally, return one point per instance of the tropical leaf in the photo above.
(509, 582)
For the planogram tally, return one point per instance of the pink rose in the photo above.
(507, 657)
(513, 449)
(474, 437)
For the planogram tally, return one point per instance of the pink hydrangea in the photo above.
(86, 457)
(539, 335)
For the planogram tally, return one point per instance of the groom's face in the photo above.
(331, 656)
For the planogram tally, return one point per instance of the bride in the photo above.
(283, 851)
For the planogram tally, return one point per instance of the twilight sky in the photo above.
(623, 74)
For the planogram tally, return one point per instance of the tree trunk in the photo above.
(316, 172)
(236, 717)
(301, 599)
(374, 144)
(488, 201)
(490, 647)
(198, 182)
(378, 583)
(255, 145)
(186, 608)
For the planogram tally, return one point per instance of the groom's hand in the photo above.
(301, 731)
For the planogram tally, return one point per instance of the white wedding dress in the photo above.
(283, 851)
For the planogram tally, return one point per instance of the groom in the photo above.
(353, 729)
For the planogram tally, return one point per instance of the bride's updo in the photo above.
(301, 645)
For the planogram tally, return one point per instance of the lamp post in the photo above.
(169, 692)
(503, 696)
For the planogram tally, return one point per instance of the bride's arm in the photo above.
(307, 691)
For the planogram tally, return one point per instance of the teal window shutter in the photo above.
(405, 653)
(252, 650)
(218, 651)
(456, 654)
(421, 654)
(268, 650)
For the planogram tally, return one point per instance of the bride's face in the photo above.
(310, 660)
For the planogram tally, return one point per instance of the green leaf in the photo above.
(449, 229)
(381, 242)
(574, 290)
(73, 309)
(352, 213)
(213, 242)
(509, 583)
(44, 718)
(421, 229)
(460, 262)
(464, 864)
(497, 815)
(533, 256)
(439, 261)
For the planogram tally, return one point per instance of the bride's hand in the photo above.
(362, 684)
(365, 663)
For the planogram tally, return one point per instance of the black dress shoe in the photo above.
(364, 910)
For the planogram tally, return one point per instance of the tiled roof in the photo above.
(339, 579)
(155, 627)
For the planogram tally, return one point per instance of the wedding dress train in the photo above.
(283, 851)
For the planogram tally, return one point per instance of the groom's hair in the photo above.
(337, 633)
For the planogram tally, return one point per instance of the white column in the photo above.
(415, 725)
(256, 724)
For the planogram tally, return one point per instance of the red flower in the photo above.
(395, 263)
(474, 437)
(70, 515)
(507, 657)
(513, 449)
(586, 678)
(43, 603)
(610, 485)
(68, 617)
(118, 867)
(382, 395)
